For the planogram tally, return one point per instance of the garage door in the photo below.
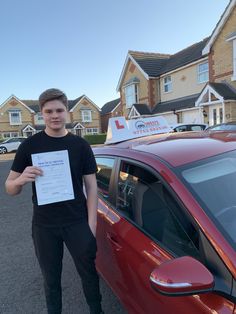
(191, 116)
(170, 118)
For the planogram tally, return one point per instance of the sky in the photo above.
(80, 46)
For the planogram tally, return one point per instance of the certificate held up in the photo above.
(56, 184)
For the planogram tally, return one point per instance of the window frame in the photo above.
(11, 113)
(94, 131)
(39, 116)
(165, 185)
(233, 78)
(167, 84)
(202, 73)
(7, 135)
(131, 95)
(110, 200)
(86, 115)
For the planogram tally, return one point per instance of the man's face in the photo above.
(54, 114)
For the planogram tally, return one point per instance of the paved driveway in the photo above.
(20, 279)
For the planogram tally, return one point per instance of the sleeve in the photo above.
(22, 159)
(89, 162)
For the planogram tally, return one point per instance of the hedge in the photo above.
(95, 138)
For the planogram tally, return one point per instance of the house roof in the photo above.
(151, 63)
(225, 90)
(142, 108)
(72, 103)
(18, 100)
(109, 106)
(32, 104)
(155, 64)
(184, 57)
(176, 104)
(224, 17)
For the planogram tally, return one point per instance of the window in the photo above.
(167, 84)
(234, 60)
(221, 115)
(144, 199)
(10, 134)
(181, 128)
(197, 127)
(203, 72)
(131, 95)
(105, 166)
(92, 131)
(232, 37)
(40, 117)
(212, 181)
(14, 140)
(86, 116)
(15, 117)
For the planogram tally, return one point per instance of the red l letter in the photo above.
(118, 125)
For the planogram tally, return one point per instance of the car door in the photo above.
(104, 175)
(146, 228)
(13, 144)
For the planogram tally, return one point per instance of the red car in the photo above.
(167, 222)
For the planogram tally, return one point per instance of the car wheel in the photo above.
(3, 150)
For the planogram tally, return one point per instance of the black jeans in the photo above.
(81, 243)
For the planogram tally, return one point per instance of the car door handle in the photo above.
(114, 241)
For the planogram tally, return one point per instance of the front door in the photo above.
(215, 115)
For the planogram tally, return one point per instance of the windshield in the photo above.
(213, 182)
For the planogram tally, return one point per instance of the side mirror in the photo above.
(182, 276)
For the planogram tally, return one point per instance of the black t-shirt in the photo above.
(82, 162)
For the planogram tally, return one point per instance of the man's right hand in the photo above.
(29, 175)
(17, 180)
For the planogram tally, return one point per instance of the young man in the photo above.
(72, 221)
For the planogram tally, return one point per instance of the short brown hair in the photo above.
(52, 94)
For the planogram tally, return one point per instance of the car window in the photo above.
(196, 127)
(218, 128)
(144, 199)
(105, 166)
(212, 181)
(181, 128)
(12, 140)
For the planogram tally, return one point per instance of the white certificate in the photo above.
(55, 185)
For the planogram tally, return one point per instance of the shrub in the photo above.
(95, 138)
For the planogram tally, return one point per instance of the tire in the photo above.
(3, 150)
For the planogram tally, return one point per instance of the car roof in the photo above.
(179, 124)
(187, 124)
(176, 148)
(221, 124)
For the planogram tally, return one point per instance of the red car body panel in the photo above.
(127, 256)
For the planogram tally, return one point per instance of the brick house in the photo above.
(23, 117)
(168, 85)
(218, 98)
(110, 109)
(197, 84)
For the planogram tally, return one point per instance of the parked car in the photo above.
(184, 127)
(11, 144)
(228, 126)
(166, 231)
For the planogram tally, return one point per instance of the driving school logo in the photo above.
(140, 125)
